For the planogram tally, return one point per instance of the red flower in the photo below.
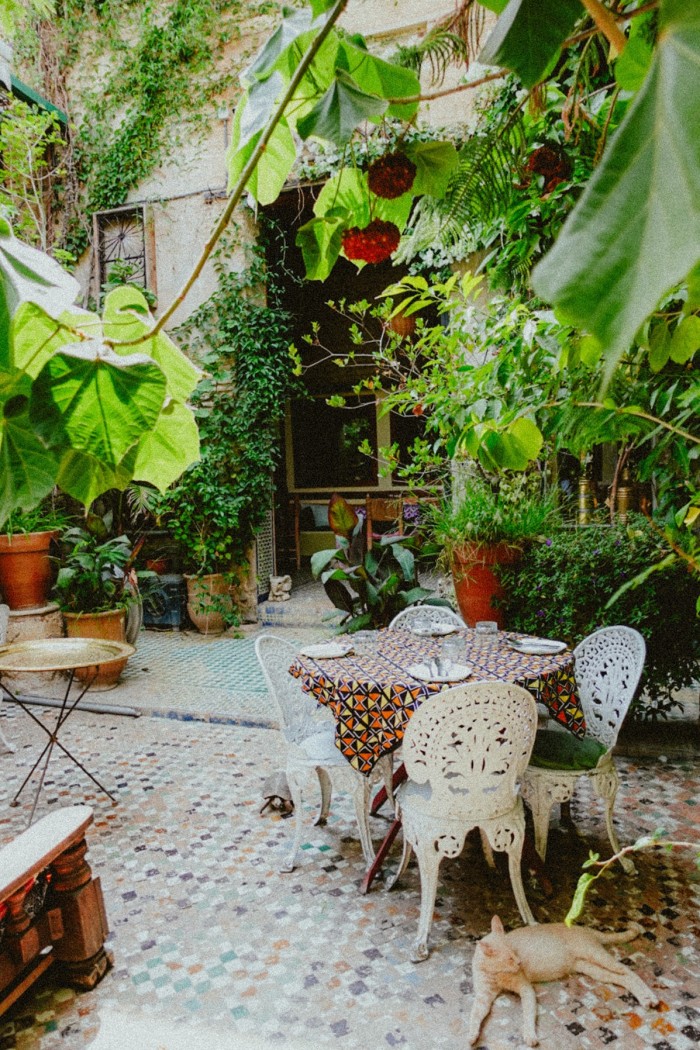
(391, 176)
(374, 243)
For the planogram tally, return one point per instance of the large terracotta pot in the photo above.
(207, 598)
(109, 626)
(26, 569)
(476, 585)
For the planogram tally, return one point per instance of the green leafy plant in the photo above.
(508, 509)
(76, 412)
(219, 504)
(94, 573)
(563, 587)
(49, 515)
(368, 590)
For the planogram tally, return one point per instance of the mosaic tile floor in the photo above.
(206, 931)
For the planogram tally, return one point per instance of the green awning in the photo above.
(27, 94)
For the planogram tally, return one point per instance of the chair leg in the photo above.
(386, 768)
(9, 748)
(536, 794)
(428, 865)
(295, 789)
(361, 798)
(403, 864)
(486, 847)
(605, 786)
(326, 793)
(516, 880)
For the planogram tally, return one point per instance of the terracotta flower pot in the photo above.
(476, 585)
(26, 569)
(109, 626)
(208, 598)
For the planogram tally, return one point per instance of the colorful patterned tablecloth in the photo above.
(372, 694)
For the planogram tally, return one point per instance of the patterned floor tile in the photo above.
(206, 930)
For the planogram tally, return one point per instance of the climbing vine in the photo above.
(161, 72)
(242, 341)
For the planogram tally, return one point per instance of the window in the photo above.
(121, 240)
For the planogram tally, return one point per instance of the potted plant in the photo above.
(483, 526)
(196, 512)
(369, 589)
(26, 564)
(94, 589)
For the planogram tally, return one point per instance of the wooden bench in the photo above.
(69, 926)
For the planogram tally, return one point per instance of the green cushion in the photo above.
(564, 751)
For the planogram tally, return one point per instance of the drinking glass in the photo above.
(421, 623)
(452, 650)
(485, 633)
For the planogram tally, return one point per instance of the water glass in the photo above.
(485, 633)
(421, 623)
(453, 649)
(364, 642)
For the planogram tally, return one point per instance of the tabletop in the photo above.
(372, 694)
(60, 654)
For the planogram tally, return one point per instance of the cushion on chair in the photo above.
(564, 751)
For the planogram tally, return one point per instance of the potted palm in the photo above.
(26, 563)
(94, 589)
(482, 527)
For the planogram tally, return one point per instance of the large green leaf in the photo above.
(270, 174)
(126, 317)
(28, 468)
(436, 163)
(294, 33)
(635, 233)
(380, 78)
(320, 243)
(164, 453)
(90, 399)
(347, 193)
(28, 275)
(528, 36)
(340, 110)
(35, 336)
(85, 478)
(274, 166)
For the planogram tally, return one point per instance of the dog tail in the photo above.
(620, 938)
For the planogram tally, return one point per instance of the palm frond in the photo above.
(456, 40)
(480, 189)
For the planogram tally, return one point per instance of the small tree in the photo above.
(30, 150)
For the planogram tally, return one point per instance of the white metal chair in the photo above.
(4, 621)
(438, 614)
(309, 731)
(608, 667)
(465, 751)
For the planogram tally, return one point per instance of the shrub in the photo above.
(563, 585)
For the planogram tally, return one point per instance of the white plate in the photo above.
(439, 630)
(327, 650)
(538, 646)
(457, 673)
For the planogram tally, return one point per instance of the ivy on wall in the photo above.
(144, 78)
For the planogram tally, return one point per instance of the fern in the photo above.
(480, 189)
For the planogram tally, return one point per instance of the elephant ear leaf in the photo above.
(635, 232)
(529, 35)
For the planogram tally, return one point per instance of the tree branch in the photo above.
(607, 24)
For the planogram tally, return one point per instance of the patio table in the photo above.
(57, 654)
(372, 695)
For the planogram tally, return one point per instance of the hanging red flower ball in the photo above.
(374, 243)
(391, 176)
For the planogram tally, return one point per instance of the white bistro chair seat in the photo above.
(608, 667)
(464, 752)
(309, 731)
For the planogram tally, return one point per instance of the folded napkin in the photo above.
(327, 650)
